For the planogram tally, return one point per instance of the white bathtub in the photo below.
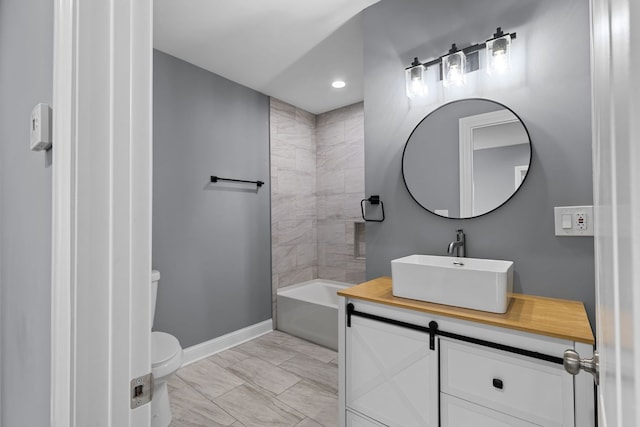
(309, 310)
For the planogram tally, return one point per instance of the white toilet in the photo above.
(166, 358)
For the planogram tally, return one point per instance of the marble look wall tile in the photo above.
(284, 258)
(306, 255)
(351, 207)
(295, 182)
(354, 128)
(305, 207)
(330, 135)
(305, 159)
(297, 276)
(305, 118)
(282, 208)
(330, 182)
(354, 181)
(334, 206)
(331, 231)
(331, 273)
(253, 409)
(296, 232)
(281, 108)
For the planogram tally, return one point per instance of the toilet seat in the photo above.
(166, 354)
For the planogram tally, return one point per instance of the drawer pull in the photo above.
(497, 383)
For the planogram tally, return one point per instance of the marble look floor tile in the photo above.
(253, 408)
(237, 424)
(227, 358)
(209, 378)
(322, 374)
(265, 350)
(308, 422)
(264, 374)
(299, 345)
(175, 383)
(313, 401)
(192, 409)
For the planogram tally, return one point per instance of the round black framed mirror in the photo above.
(466, 158)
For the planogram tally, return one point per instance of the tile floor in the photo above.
(273, 380)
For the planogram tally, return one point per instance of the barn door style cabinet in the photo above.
(409, 363)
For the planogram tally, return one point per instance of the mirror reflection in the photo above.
(466, 158)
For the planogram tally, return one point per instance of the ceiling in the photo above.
(289, 49)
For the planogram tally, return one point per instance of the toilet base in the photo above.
(160, 409)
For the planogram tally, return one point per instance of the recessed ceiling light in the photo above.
(338, 84)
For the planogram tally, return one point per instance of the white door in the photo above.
(100, 313)
(616, 160)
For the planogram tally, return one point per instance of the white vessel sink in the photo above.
(479, 284)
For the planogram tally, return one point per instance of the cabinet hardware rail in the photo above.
(217, 178)
(433, 330)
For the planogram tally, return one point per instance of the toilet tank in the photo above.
(155, 277)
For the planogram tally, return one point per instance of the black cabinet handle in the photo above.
(497, 383)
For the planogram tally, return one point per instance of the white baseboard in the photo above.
(209, 348)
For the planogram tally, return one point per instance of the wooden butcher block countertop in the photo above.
(538, 315)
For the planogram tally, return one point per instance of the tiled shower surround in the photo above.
(317, 182)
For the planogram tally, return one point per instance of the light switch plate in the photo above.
(581, 220)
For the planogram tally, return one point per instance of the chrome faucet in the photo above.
(457, 246)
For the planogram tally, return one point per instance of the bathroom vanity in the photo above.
(411, 363)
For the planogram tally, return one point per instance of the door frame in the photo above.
(101, 211)
(466, 127)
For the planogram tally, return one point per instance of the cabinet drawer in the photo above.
(460, 413)
(532, 390)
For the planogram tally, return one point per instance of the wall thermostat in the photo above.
(40, 127)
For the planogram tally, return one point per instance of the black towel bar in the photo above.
(217, 178)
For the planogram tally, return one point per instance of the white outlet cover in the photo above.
(558, 211)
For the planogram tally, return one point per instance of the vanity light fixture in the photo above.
(499, 53)
(454, 67)
(455, 64)
(415, 79)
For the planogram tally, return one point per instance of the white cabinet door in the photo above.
(355, 420)
(391, 374)
(460, 413)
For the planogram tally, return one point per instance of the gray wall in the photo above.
(553, 102)
(211, 242)
(26, 58)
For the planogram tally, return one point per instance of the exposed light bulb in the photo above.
(453, 67)
(415, 81)
(338, 84)
(498, 55)
(455, 76)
